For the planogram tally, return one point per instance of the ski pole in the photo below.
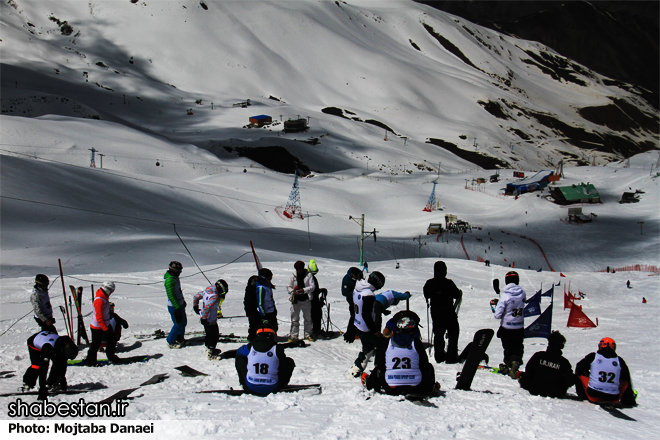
(69, 329)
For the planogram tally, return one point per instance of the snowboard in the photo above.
(70, 391)
(286, 389)
(104, 362)
(6, 374)
(479, 345)
(120, 395)
(613, 409)
(189, 372)
(466, 351)
(155, 379)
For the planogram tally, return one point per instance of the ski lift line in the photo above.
(145, 219)
(191, 255)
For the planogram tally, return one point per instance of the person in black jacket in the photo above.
(262, 365)
(603, 377)
(44, 347)
(347, 287)
(319, 296)
(444, 299)
(402, 366)
(548, 373)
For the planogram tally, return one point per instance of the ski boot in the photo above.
(213, 354)
(25, 388)
(504, 369)
(363, 379)
(515, 365)
(436, 389)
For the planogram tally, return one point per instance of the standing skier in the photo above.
(103, 326)
(265, 301)
(548, 373)
(319, 296)
(261, 365)
(210, 298)
(444, 299)
(347, 287)
(300, 288)
(604, 377)
(364, 300)
(509, 311)
(43, 311)
(176, 305)
(44, 347)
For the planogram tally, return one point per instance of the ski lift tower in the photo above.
(432, 204)
(293, 208)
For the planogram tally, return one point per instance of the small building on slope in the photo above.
(580, 193)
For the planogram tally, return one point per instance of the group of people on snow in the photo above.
(401, 363)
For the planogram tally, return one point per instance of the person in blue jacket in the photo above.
(386, 299)
(262, 365)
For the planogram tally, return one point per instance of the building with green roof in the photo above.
(580, 193)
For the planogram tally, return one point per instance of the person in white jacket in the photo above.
(509, 311)
(300, 288)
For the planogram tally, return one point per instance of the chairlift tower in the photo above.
(432, 204)
(293, 208)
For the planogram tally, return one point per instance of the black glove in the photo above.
(196, 309)
(349, 338)
(178, 315)
(386, 312)
(124, 324)
(204, 322)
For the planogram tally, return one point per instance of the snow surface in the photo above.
(121, 222)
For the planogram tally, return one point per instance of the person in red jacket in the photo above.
(103, 326)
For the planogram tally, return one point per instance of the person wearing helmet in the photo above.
(444, 298)
(262, 365)
(176, 305)
(318, 296)
(44, 347)
(509, 311)
(259, 303)
(604, 377)
(548, 373)
(40, 300)
(102, 326)
(347, 288)
(364, 300)
(402, 365)
(210, 298)
(300, 288)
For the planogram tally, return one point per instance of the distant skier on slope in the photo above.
(210, 298)
(43, 311)
(262, 365)
(402, 366)
(364, 300)
(548, 373)
(444, 299)
(44, 347)
(604, 377)
(347, 287)
(509, 311)
(176, 305)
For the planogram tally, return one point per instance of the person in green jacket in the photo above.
(176, 305)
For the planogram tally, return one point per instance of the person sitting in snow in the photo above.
(548, 373)
(120, 323)
(44, 347)
(43, 311)
(603, 377)
(509, 311)
(402, 365)
(262, 365)
(210, 298)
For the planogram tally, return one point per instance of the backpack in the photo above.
(250, 299)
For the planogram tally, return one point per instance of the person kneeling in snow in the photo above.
(402, 366)
(43, 347)
(262, 366)
(548, 373)
(603, 377)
